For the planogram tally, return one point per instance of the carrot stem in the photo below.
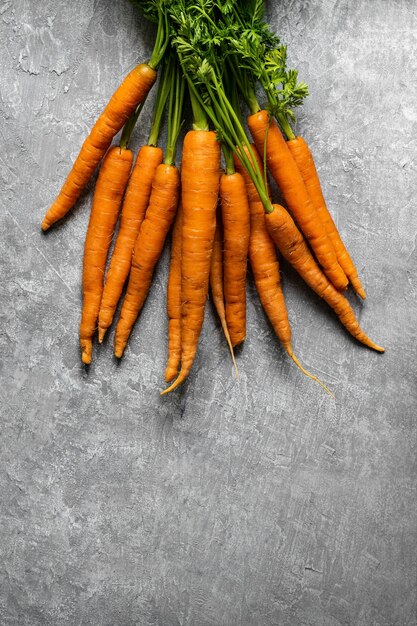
(129, 126)
(176, 100)
(161, 99)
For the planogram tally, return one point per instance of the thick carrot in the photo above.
(235, 216)
(304, 159)
(265, 267)
(216, 284)
(111, 183)
(122, 104)
(174, 302)
(133, 212)
(287, 176)
(200, 173)
(293, 247)
(153, 231)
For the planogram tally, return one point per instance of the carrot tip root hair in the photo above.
(304, 371)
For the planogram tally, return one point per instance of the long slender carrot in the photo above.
(122, 104)
(216, 284)
(284, 170)
(111, 183)
(159, 216)
(293, 247)
(304, 159)
(133, 212)
(265, 267)
(200, 173)
(174, 302)
(153, 231)
(235, 216)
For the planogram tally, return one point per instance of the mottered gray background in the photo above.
(260, 502)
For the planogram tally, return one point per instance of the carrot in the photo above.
(304, 159)
(216, 284)
(133, 212)
(200, 172)
(293, 247)
(174, 303)
(111, 183)
(265, 267)
(122, 104)
(284, 170)
(153, 231)
(235, 216)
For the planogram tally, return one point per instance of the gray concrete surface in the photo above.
(257, 503)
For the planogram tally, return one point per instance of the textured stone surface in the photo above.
(258, 503)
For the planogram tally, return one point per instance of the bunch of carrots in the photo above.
(218, 54)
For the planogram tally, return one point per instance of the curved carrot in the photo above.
(287, 176)
(293, 247)
(200, 173)
(235, 217)
(110, 187)
(264, 261)
(174, 303)
(122, 104)
(304, 159)
(133, 212)
(216, 284)
(158, 219)
(265, 267)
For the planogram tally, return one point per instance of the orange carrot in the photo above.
(133, 212)
(111, 183)
(304, 159)
(293, 247)
(216, 284)
(235, 216)
(174, 303)
(287, 176)
(264, 261)
(265, 267)
(122, 104)
(200, 188)
(158, 219)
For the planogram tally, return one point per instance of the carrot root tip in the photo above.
(101, 333)
(304, 371)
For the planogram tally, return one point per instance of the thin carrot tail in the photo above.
(306, 373)
(181, 378)
(229, 343)
(357, 287)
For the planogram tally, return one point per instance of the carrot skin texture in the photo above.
(304, 159)
(287, 176)
(134, 206)
(159, 216)
(264, 262)
(200, 174)
(174, 301)
(110, 187)
(236, 227)
(122, 104)
(293, 247)
(216, 285)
